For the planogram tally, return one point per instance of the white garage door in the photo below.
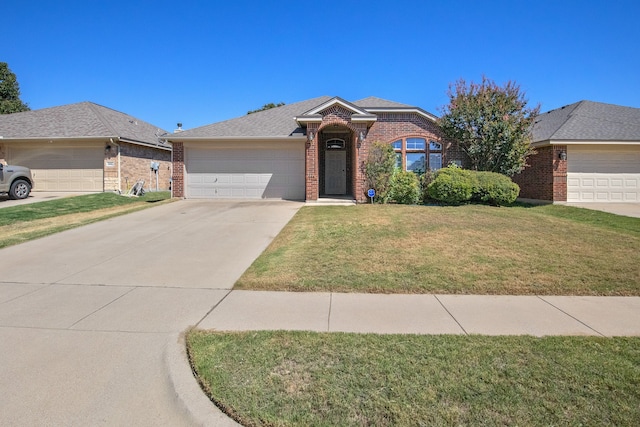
(255, 171)
(603, 173)
(57, 167)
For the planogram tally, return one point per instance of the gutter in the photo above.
(178, 138)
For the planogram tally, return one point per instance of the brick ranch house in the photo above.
(304, 151)
(586, 152)
(85, 147)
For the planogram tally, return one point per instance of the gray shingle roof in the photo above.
(588, 121)
(275, 122)
(81, 120)
(373, 102)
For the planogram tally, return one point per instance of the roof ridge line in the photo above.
(570, 115)
(100, 117)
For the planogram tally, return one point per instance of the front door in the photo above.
(335, 172)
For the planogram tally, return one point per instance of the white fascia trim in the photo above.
(369, 118)
(308, 119)
(574, 142)
(60, 138)
(240, 138)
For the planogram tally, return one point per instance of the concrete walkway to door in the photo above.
(87, 316)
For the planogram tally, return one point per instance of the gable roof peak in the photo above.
(373, 101)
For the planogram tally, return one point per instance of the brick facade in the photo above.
(177, 185)
(546, 176)
(135, 164)
(387, 128)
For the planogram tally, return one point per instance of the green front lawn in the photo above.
(22, 223)
(470, 249)
(320, 379)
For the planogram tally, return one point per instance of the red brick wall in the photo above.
(546, 176)
(177, 184)
(135, 164)
(388, 128)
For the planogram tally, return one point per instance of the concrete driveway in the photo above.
(86, 315)
(35, 197)
(626, 209)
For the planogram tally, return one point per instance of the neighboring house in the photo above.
(304, 151)
(85, 147)
(586, 152)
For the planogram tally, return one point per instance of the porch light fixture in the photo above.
(310, 135)
(562, 155)
(361, 136)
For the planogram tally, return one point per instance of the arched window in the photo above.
(413, 154)
(335, 144)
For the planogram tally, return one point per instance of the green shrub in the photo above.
(379, 169)
(426, 179)
(405, 188)
(495, 189)
(452, 185)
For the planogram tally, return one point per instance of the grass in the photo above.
(22, 223)
(472, 249)
(320, 379)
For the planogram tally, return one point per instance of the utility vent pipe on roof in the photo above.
(179, 128)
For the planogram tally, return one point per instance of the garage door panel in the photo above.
(57, 167)
(254, 171)
(603, 173)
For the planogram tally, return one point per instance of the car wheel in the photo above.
(20, 189)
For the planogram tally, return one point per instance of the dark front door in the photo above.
(335, 172)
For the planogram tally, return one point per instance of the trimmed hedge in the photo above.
(495, 189)
(454, 186)
(405, 188)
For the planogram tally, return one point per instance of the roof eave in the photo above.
(178, 138)
(56, 138)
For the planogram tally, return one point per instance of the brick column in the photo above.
(559, 174)
(311, 164)
(177, 186)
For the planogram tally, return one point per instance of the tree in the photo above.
(492, 124)
(266, 107)
(379, 169)
(10, 92)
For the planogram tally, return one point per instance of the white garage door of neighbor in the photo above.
(62, 168)
(603, 173)
(251, 172)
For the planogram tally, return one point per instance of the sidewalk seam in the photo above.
(103, 307)
(573, 317)
(452, 316)
(213, 308)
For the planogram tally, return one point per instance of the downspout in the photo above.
(118, 157)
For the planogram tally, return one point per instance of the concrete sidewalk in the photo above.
(397, 314)
(426, 314)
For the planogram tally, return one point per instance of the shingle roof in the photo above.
(373, 102)
(81, 120)
(275, 122)
(589, 121)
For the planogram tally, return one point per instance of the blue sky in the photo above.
(199, 62)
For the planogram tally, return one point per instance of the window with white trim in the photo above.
(414, 154)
